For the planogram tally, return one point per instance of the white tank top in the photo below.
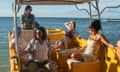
(41, 51)
(90, 47)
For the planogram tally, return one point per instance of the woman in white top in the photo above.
(38, 48)
(89, 53)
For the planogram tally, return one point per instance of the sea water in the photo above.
(111, 30)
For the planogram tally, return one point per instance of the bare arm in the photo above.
(66, 42)
(82, 48)
(33, 21)
(105, 41)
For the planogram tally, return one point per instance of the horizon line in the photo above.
(60, 17)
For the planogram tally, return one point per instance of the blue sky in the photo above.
(62, 11)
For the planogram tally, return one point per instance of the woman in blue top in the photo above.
(66, 42)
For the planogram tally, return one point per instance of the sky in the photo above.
(62, 11)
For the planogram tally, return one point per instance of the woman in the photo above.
(89, 53)
(38, 49)
(66, 42)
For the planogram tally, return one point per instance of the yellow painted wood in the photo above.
(13, 61)
(55, 33)
(112, 62)
(108, 58)
(26, 36)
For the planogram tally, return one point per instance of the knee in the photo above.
(76, 56)
(72, 55)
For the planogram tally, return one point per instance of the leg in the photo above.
(31, 67)
(42, 70)
(58, 46)
(77, 56)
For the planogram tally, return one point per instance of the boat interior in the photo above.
(108, 61)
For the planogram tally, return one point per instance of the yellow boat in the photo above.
(26, 36)
(55, 33)
(107, 63)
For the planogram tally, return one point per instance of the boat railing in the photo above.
(89, 12)
(109, 7)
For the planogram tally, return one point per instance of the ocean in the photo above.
(111, 30)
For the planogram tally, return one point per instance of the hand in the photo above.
(25, 25)
(81, 49)
(22, 52)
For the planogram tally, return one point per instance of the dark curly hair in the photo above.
(96, 24)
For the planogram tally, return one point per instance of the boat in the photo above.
(107, 62)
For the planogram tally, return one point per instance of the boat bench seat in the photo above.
(77, 66)
(94, 66)
(23, 40)
(62, 56)
(26, 35)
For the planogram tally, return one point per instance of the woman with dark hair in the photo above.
(43, 32)
(38, 49)
(89, 53)
(28, 19)
(66, 42)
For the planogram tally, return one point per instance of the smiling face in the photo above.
(92, 31)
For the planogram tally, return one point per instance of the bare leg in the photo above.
(77, 56)
(58, 46)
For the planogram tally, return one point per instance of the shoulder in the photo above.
(100, 36)
(32, 15)
(47, 42)
(22, 15)
(32, 41)
(68, 33)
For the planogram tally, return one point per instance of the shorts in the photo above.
(87, 57)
